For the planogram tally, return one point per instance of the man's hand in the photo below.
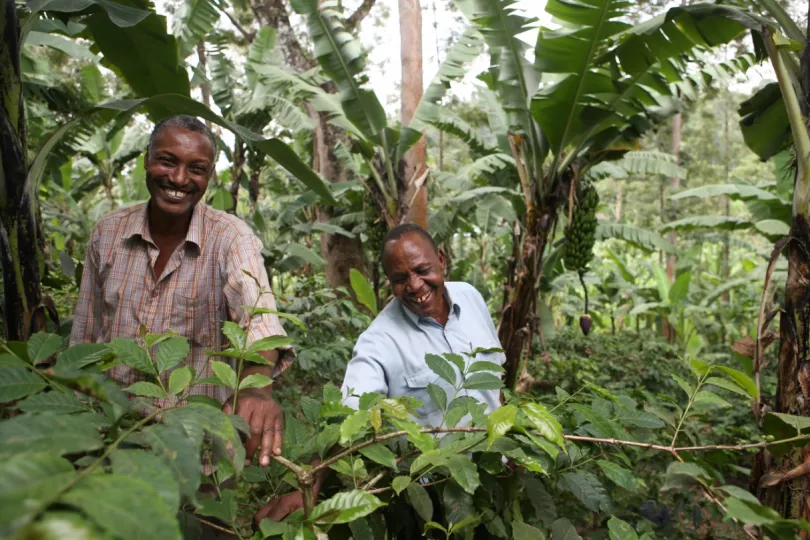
(280, 507)
(266, 422)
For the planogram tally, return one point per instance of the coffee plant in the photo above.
(82, 457)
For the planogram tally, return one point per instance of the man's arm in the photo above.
(255, 405)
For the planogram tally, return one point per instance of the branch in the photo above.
(360, 13)
(248, 35)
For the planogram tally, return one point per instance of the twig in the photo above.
(382, 490)
(217, 527)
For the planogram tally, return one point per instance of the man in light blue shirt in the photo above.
(427, 316)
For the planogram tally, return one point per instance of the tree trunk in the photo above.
(726, 174)
(410, 31)
(668, 329)
(340, 253)
(18, 231)
(520, 292)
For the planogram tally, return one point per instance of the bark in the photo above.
(520, 293)
(668, 330)
(18, 229)
(410, 30)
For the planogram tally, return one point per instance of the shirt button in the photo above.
(155, 293)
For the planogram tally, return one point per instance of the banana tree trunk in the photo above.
(792, 498)
(18, 233)
(520, 292)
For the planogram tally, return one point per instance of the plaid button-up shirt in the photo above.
(201, 286)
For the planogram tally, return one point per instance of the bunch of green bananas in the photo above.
(580, 234)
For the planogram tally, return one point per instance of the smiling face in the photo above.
(178, 170)
(416, 273)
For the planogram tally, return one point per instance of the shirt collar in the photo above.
(139, 225)
(416, 319)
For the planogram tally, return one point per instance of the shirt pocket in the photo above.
(195, 318)
(417, 388)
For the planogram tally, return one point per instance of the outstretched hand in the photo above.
(266, 422)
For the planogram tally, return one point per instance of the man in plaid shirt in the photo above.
(174, 263)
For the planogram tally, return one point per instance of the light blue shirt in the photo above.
(389, 357)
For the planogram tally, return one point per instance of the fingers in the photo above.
(279, 427)
(265, 510)
(268, 437)
(227, 408)
(287, 506)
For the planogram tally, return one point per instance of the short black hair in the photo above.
(184, 121)
(406, 228)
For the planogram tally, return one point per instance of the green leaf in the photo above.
(484, 366)
(193, 21)
(352, 425)
(620, 530)
(378, 453)
(544, 423)
(124, 47)
(149, 468)
(684, 476)
(499, 422)
(27, 481)
(55, 402)
(180, 451)
(269, 343)
(441, 367)
(55, 434)
(420, 500)
(42, 346)
(81, 355)
(524, 531)
(348, 505)
(255, 380)
(196, 417)
(224, 373)
(400, 482)
(562, 529)
(438, 395)
(126, 507)
(18, 382)
(171, 353)
(483, 381)
(750, 513)
(235, 334)
(146, 389)
(456, 360)
(618, 475)
(742, 380)
(464, 471)
(685, 386)
(180, 379)
(588, 489)
(363, 290)
(131, 354)
(680, 289)
(705, 396)
(71, 48)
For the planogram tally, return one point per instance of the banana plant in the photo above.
(595, 86)
(770, 212)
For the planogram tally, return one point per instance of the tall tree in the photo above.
(415, 160)
(18, 230)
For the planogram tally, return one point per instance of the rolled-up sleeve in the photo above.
(253, 289)
(364, 373)
(88, 315)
